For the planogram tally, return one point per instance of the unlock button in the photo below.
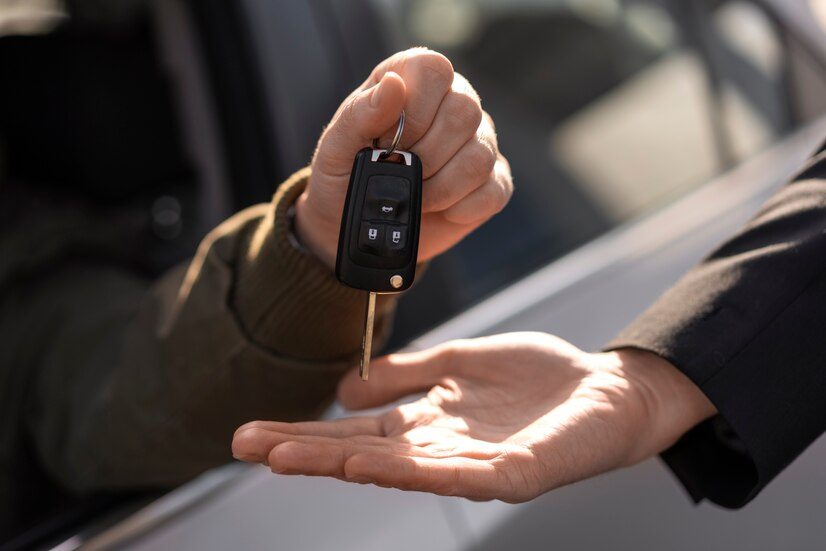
(371, 237)
(396, 238)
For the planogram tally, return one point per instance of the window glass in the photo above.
(605, 109)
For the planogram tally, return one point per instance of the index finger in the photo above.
(427, 76)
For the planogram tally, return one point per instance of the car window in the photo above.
(605, 109)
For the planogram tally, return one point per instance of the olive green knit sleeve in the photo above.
(141, 384)
(287, 300)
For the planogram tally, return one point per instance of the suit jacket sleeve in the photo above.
(748, 326)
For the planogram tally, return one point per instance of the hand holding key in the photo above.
(379, 238)
(466, 179)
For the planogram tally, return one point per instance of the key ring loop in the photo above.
(389, 151)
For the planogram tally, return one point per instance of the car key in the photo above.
(379, 238)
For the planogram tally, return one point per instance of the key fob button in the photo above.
(387, 198)
(371, 237)
(384, 209)
(395, 239)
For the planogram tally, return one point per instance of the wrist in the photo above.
(670, 403)
(310, 230)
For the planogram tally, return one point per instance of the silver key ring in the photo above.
(396, 138)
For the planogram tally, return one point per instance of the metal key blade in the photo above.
(367, 338)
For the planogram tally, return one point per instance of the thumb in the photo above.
(396, 376)
(365, 115)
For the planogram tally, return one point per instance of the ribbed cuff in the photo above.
(288, 301)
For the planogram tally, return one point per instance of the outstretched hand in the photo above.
(505, 417)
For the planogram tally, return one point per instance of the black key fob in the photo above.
(379, 238)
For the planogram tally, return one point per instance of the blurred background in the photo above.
(178, 113)
(607, 109)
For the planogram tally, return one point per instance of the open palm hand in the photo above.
(506, 417)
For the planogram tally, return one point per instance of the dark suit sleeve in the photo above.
(748, 326)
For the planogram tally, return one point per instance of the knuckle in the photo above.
(488, 120)
(462, 85)
(463, 112)
(442, 200)
(505, 192)
(437, 198)
(486, 134)
(415, 126)
(479, 162)
(492, 200)
(487, 201)
(433, 63)
(464, 213)
(346, 117)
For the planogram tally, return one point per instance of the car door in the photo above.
(641, 133)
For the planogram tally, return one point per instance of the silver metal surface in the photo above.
(367, 338)
(382, 153)
(396, 139)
